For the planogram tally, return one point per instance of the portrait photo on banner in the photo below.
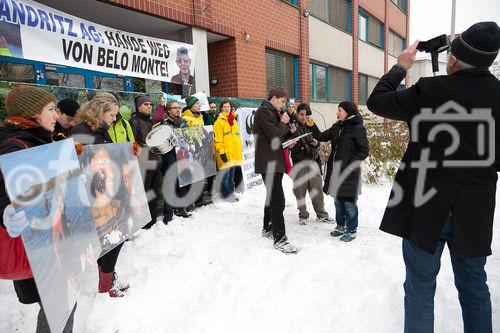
(46, 183)
(114, 186)
(195, 154)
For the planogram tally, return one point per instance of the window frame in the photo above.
(295, 64)
(327, 67)
(369, 17)
(328, 17)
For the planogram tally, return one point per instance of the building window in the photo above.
(281, 71)
(16, 72)
(363, 27)
(370, 29)
(339, 84)
(396, 44)
(319, 79)
(329, 83)
(108, 83)
(401, 4)
(62, 79)
(335, 12)
(293, 2)
(147, 85)
(366, 84)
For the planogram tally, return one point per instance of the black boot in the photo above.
(182, 213)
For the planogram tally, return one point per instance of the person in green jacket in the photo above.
(121, 131)
(211, 116)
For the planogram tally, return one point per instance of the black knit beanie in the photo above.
(478, 46)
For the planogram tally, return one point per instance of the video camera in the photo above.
(434, 46)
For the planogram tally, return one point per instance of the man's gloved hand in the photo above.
(78, 148)
(14, 222)
(223, 157)
(137, 149)
(309, 122)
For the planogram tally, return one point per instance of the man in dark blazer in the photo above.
(444, 190)
(270, 130)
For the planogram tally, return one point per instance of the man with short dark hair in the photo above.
(458, 204)
(306, 172)
(66, 109)
(142, 124)
(210, 117)
(270, 130)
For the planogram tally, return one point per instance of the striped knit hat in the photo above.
(27, 101)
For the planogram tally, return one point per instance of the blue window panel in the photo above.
(327, 78)
(314, 81)
(294, 2)
(165, 86)
(38, 67)
(382, 36)
(349, 16)
(349, 88)
(296, 75)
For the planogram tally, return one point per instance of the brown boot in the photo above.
(119, 285)
(109, 284)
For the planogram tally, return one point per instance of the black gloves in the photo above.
(223, 157)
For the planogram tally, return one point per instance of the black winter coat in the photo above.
(349, 148)
(269, 134)
(467, 192)
(25, 289)
(303, 150)
(141, 126)
(84, 134)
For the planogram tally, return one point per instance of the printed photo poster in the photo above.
(245, 123)
(115, 190)
(61, 242)
(195, 154)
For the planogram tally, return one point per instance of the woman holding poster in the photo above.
(31, 119)
(93, 121)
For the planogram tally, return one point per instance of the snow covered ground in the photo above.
(215, 273)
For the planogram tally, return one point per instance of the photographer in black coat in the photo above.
(435, 202)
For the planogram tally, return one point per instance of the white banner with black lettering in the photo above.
(245, 123)
(33, 31)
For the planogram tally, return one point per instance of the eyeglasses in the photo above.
(175, 108)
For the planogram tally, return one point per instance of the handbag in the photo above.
(14, 263)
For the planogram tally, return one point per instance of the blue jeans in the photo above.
(346, 212)
(228, 181)
(420, 287)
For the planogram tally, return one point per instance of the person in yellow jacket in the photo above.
(191, 112)
(228, 150)
(121, 131)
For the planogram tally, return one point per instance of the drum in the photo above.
(161, 139)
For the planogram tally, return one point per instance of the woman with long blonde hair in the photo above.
(93, 121)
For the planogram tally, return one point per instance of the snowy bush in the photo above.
(388, 140)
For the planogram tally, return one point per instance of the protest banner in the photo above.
(33, 31)
(61, 242)
(245, 124)
(195, 154)
(114, 185)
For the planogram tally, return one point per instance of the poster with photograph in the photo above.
(115, 190)
(61, 242)
(195, 154)
(245, 123)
